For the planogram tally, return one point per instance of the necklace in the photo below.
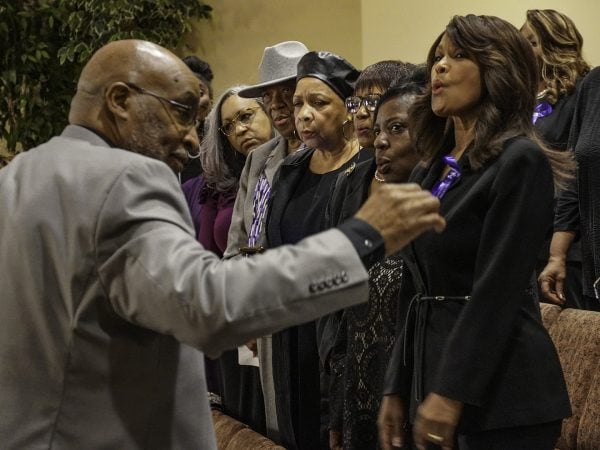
(378, 177)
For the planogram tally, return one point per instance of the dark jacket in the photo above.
(479, 337)
(579, 207)
(301, 412)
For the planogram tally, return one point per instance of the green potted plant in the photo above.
(44, 44)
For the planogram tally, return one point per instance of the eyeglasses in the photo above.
(243, 117)
(186, 114)
(370, 102)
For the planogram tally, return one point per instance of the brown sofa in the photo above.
(234, 435)
(576, 335)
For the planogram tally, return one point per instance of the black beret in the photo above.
(330, 68)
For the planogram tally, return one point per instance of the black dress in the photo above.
(578, 209)
(554, 129)
(356, 344)
(297, 209)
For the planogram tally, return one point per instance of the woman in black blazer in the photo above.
(557, 45)
(474, 367)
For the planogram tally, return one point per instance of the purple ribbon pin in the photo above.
(442, 186)
(542, 110)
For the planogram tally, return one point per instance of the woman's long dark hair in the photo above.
(509, 79)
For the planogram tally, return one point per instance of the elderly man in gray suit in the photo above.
(105, 294)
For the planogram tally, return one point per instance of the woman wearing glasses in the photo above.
(373, 81)
(235, 126)
(354, 345)
(299, 197)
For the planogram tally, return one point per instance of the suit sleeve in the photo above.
(513, 231)
(238, 235)
(567, 207)
(157, 276)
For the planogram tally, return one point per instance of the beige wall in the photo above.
(233, 41)
(406, 29)
(363, 31)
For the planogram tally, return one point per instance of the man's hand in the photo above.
(436, 420)
(552, 281)
(401, 212)
(391, 420)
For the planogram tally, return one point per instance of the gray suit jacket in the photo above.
(102, 279)
(267, 157)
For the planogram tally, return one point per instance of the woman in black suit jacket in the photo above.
(474, 362)
(557, 45)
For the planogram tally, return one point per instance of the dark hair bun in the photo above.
(199, 67)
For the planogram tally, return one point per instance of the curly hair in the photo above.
(222, 164)
(560, 42)
(509, 81)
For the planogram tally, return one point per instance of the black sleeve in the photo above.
(367, 241)
(567, 210)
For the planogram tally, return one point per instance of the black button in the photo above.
(312, 288)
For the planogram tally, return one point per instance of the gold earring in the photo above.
(344, 126)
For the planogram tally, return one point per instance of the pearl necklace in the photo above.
(378, 177)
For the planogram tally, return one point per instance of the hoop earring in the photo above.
(195, 155)
(344, 126)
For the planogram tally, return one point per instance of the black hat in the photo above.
(331, 69)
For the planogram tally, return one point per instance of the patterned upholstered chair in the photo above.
(576, 334)
(234, 435)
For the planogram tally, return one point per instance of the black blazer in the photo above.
(490, 352)
(295, 432)
(285, 182)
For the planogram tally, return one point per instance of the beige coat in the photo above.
(267, 157)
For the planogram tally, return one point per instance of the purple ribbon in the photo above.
(541, 110)
(262, 192)
(441, 187)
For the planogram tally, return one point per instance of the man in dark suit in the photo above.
(104, 289)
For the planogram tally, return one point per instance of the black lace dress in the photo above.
(356, 344)
(370, 336)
